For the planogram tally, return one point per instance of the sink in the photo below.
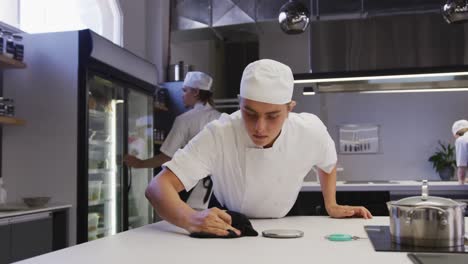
(371, 182)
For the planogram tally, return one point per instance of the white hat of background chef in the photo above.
(144, 121)
(199, 80)
(459, 125)
(267, 81)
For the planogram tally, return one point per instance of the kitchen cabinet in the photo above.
(31, 236)
(5, 244)
(374, 195)
(311, 203)
(24, 236)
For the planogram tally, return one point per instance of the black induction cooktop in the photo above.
(438, 258)
(381, 240)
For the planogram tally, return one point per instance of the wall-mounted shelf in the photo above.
(8, 63)
(6, 120)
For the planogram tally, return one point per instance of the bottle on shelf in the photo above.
(158, 135)
(19, 48)
(2, 41)
(7, 107)
(9, 44)
(161, 100)
(3, 192)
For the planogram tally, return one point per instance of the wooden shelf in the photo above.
(161, 108)
(7, 63)
(6, 120)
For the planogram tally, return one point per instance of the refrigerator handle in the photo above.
(129, 180)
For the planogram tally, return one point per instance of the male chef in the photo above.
(459, 130)
(257, 158)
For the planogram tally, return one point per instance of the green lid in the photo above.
(339, 237)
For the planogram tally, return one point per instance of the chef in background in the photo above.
(460, 132)
(257, 158)
(197, 95)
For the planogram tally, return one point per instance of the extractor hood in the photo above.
(355, 37)
(193, 14)
(433, 79)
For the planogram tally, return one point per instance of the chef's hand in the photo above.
(133, 161)
(212, 221)
(341, 211)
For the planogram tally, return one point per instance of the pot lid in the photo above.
(425, 199)
(429, 201)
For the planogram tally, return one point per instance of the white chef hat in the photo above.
(459, 125)
(144, 121)
(267, 81)
(200, 80)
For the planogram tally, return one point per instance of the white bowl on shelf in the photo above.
(35, 202)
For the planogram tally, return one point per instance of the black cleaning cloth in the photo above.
(239, 221)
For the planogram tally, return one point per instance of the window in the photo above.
(35, 16)
(9, 13)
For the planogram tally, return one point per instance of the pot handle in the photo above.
(424, 190)
(441, 212)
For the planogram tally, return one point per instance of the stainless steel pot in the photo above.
(178, 71)
(427, 221)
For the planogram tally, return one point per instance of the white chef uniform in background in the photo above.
(461, 147)
(257, 182)
(185, 127)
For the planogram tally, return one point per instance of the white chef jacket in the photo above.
(186, 126)
(461, 150)
(260, 183)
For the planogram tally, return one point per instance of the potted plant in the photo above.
(443, 161)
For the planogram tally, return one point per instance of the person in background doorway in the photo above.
(197, 95)
(459, 130)
(257, 157)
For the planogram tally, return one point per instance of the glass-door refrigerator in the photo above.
(120, 121)
(87, 103)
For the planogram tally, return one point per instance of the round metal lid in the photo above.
(426, 200)
(429, 200)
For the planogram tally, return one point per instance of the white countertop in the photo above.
(399, 186)
(165, 243)
(51, 207)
